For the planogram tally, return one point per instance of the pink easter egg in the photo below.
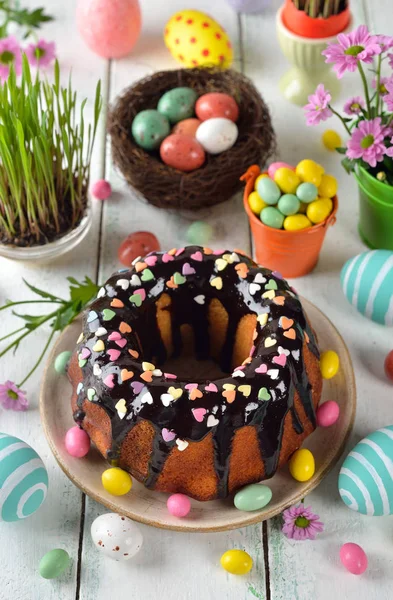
(77, 442)
(277, 165)
(110, 29)
(179, 505)
(354, 558)
(101, 189)
(328, 413)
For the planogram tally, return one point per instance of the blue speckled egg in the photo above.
(365, 482)
(367, 282)
(23, 479)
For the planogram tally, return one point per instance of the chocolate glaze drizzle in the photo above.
(121, 337)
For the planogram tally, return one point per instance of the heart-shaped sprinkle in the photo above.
(262, 319)
(198, 256)
(113, 354)
(79, 387)
(217, 252)
(126, 374)
(137, 387)
(133, 353)
(200, 299)
(238, 373)
(281, 359)
(269, 294)
(147, 376)
(85, 353)
(81, 336)
(211, 387)
(138, 297)
(263, 394)
(168, 435)
(261, 369)
(110, 380)
(181, 444)
(108, 314)
(277, 275)
(135, 280)
(148, 366)
(101, 292)
(90, 394)
(207, 251)
(123, 283)
(101, 331)
(167, 257)
(92, 316)
(188, 269)
(167, 399)
(171, 284)
(212, 421)
(151, 260)
(282, 350)
(170, 376)
(99, 346)
(121, 408)
(279, 300)
(97, 371)
(195, 393)
(178, 278)
(140, 266)
(229, 386)
(269, 342)
(125, 327)
(191, 386)
(115, 335)
(285, 323)
(172, 251)
(259, 278)
(245, 390)
(147, 275)
(121, 343)
(146, 397)
(175, 392)
(229, 395)
(157, 373)
(137, 259)
(221, 264)
(254, 288)
(273, 373)
(291, 334)
(198, 414)
(242, 270)
(271, 285)
(216, 282)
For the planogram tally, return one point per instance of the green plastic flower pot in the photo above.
(376, 211)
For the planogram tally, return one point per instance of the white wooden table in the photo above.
(175, 565)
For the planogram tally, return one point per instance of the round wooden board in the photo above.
(149, 507)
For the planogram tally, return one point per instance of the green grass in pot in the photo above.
(321, 8)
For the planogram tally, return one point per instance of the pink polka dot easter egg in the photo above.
(179, 505)
(328, 413)
(110, 29)
(77, 442)
(354, 558)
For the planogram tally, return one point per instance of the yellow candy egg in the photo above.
(195, 39)
(258, 179)
(237, 562)
(302, 465)
(318, 210)
(329, 364)
(328, 186)
(116, 481)
(286, 180)
(296, 222)
(310, 171)
(331, 140)
(256, 203)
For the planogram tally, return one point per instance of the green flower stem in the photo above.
(365, 86)
(341, 118)
(59, 301)
(12, 333)
(378, 81)
(26, 333)
(30, 373)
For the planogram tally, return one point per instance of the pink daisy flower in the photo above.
(317, 109)
(367, 142)
(12, 398)
(385, 41)
(388, 97)
(382, 84)
(300, 523)
(41, 54)
(354, 105)
(352, 48)
(9, 54)
(389, 151)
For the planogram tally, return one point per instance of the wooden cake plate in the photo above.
(149, 507)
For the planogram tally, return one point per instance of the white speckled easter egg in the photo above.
(195, 39)
(366, 478)
(367, 282)
(116, 536)
(23, 479)
(217, 135)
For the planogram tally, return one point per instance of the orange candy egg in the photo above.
(182, 152)
(187, 127)
(216, 104)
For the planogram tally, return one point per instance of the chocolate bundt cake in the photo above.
(202, 436)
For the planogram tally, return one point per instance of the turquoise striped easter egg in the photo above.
(365, 482)
(367, 282)
(23, 479)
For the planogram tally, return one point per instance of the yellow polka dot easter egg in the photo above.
(195, 39)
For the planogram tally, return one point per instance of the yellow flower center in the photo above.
(13, 395)
(354, 50)
(302, 522)
(367, 141)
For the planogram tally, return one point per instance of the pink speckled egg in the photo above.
(354, 558)
(179, 505)
(110, 28)
(277, 165)
(77, 442)
(182, 152)
(328, 413)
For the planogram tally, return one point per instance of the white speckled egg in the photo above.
(116, 536)
(23, 479)
(367, 282)
(217, 135)
(366, 478)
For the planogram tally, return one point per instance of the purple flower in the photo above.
(317, 109)
(9, 54)
(388, 98)
(382, 84)
(41, 54)
(385, 41)
(367, 142)
(12, 398)
(300, 523)
(354, 105)
(351, 48)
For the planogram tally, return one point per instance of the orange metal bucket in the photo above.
(292, 253)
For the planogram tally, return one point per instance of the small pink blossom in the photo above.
(12, 398)
(382, 84)
(389, 151)
(317, 109)
(9, 54)
(388, 98)
(352, 48)
(300, 523)
(41, 54)
(367, 142)
(385, 41)
(354, 105)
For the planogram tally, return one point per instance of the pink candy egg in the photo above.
(101, 189)
(77, 442)
(277, 165)
(182, 152)
(179, 505)
(328, 413)
(354, 558)
(216, 104)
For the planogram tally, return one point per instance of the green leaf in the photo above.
(82, 293)
(39, 292)
(341, 150)
(349, 165)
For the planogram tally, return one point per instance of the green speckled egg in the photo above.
(268, 190)
(288, 204)
(61, 361)
(199, 233)
(307, 192)
(149, 128)
(54, 563)
(272, 217)
(177, 104)
(253, 497)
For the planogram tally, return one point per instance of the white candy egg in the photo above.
(217, 135)
(116, 536)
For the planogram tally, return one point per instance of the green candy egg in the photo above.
(272, 217)
(199, 233)
(253, 497)
(61, 361)
(54, 563)
(177, 104)
(149, 128)
(307, 192)
(288, 204)
(268, 190)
